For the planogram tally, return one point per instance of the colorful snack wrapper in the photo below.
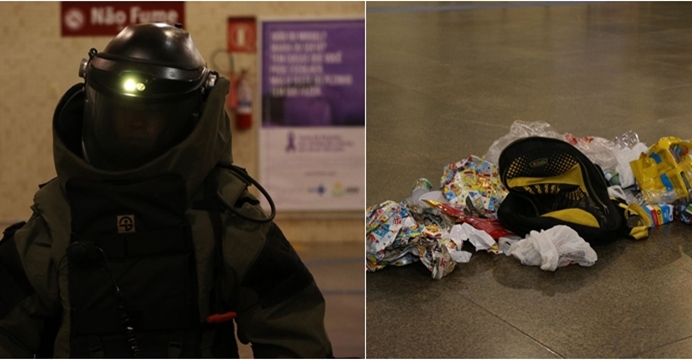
(475, 181)
(398, 236)
(390, 235)
(436, 257)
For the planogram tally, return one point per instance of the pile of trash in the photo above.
(443, 226)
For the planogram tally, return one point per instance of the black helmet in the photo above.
(144, 93)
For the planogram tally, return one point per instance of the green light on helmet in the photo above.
(130, 85)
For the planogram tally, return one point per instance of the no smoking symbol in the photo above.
(74, 19)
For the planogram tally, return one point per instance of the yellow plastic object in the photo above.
(663, 174)
(575, 215)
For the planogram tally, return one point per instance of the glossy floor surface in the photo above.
(444, 80)
(338, 270)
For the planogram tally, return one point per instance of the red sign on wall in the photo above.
(95, 18)
(242, 34)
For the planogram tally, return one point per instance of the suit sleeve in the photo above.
(24, 302)
(280, 308)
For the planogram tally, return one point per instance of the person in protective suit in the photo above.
(148, 243)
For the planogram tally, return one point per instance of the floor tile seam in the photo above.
(468, 76)
(469, 108)
(671, 246)
(666, 39)
(655, 62)
(647, 24)
(386, 82)
(676, 87)
(472, 7)
(541, 91)
(660, 346)
(646, 41)
(499, 126)
(497, 75)
(577, 98)
(508, 323)
(394, 161)
(634, 119)
(684, 268)
(624, 22)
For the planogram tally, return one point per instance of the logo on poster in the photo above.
(337, 190)
(74, 19)
(291, 142)
(320, 190)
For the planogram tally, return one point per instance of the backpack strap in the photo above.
(637, 222)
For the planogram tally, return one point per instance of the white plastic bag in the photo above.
(520, 129)
(627, 148)
(598, 150)
(556, 247)
(480, 239)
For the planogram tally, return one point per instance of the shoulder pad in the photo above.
(15, 284)
(40, 186)
(277, 273)
(230, 185)
(9, 232)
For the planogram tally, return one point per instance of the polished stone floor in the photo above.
(445, 79)
(338, 270)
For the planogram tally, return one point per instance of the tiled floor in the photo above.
(446, 79)
(338, 270)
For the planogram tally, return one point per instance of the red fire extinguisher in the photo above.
(243, 111)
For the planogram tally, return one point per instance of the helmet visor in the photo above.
(122, 132)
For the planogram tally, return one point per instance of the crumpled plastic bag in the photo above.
(627, 148)
(473, 182)
(480, 239)
(624, 157)
(420, 188)
(556, 247)
(597, 149)
(520, 129)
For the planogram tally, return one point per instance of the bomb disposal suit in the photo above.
(148, 243)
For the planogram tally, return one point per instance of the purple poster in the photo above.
(312, 140)
(313, 73)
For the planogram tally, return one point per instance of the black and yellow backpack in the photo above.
(550, 182)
